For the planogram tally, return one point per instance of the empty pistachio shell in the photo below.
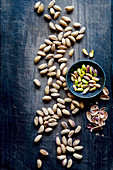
(44, 152)
(104, 97)
(39, 163)
(69, 8)
(37, 82)
(77, 156)
(105, 91)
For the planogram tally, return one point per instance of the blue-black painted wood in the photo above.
(22, 32)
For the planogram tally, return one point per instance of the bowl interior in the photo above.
(101, 76)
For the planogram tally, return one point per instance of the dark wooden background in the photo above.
(22, 32)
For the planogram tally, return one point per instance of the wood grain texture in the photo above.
(22, 32)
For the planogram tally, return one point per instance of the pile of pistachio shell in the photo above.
(85, 79)
(96, 117)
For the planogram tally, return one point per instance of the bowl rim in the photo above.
(85, 97)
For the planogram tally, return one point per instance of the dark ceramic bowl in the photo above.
(101, 76)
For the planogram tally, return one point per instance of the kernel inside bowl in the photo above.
(101, 76)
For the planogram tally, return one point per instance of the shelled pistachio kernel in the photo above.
(85, 51)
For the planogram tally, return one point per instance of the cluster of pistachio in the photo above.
(85, 79)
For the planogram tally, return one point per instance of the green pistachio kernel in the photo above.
(84, 81)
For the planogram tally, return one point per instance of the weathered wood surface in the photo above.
(22, 33)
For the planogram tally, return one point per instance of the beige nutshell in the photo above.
(39, 163)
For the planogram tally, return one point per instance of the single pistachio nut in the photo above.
(38, 138)
(37, 4)
(44, 152)
(37, 82)
(77, 156)
(51, 4)
(41, 8)
(39, 163)
(78, 129)
(69, 8)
